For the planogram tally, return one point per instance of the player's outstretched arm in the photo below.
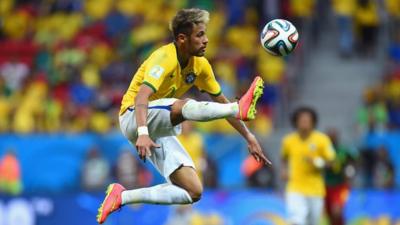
(253, 145)
(144, 144)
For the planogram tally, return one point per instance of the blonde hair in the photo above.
(185, 19)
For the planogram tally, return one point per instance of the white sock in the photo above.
(160, 194)
(206, 111)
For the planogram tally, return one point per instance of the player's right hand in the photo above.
(144, 144)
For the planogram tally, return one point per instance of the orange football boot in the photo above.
(111, 203)
(247, 104)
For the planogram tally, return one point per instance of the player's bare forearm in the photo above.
(141, 103)
(141, 112)
(254, 147)
(143, 144)
(235, 123)
(240, 126)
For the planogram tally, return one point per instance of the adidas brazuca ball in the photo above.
(279, 37)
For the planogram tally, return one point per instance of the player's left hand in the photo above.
(255, 150)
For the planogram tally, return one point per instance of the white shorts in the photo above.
(171, 155)
(304, 210)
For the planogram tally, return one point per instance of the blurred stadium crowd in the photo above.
(65, 64)
(378, 118)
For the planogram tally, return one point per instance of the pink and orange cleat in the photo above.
(111, 203)
(248, 102)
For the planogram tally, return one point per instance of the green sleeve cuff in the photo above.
(150, 85)
(216, 94)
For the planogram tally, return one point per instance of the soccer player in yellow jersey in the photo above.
(151, 114)
(305, 153)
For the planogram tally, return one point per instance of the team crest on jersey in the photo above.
(190, 78)
(156, 71)
(313, 147)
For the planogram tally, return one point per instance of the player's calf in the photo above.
(206, 111)
(245, 109)
(166, 194)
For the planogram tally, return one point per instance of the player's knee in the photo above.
(186, 100)
(178, 105)
(195, 196)
(176, 111)
(196, 193)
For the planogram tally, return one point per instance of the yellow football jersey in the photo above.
(305, 178)
(162, 72)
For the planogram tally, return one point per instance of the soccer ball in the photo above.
(279, 37)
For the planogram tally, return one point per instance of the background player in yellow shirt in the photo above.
(151, 114)
(305, 153)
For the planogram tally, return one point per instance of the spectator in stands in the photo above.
(130, 173)
(373, 109)
(393, 10)
(210, 174)
(95, 171)
(256, 174)
(29, 106)
(5, 107)
(372, 140)
(14, 72)
(344, 11)
(337, 177)
(394, 113)
(302, 12)
(305, 153)
(394, 50)
(10, 174)
(383, 170)
(15, 24)
(367, 20)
